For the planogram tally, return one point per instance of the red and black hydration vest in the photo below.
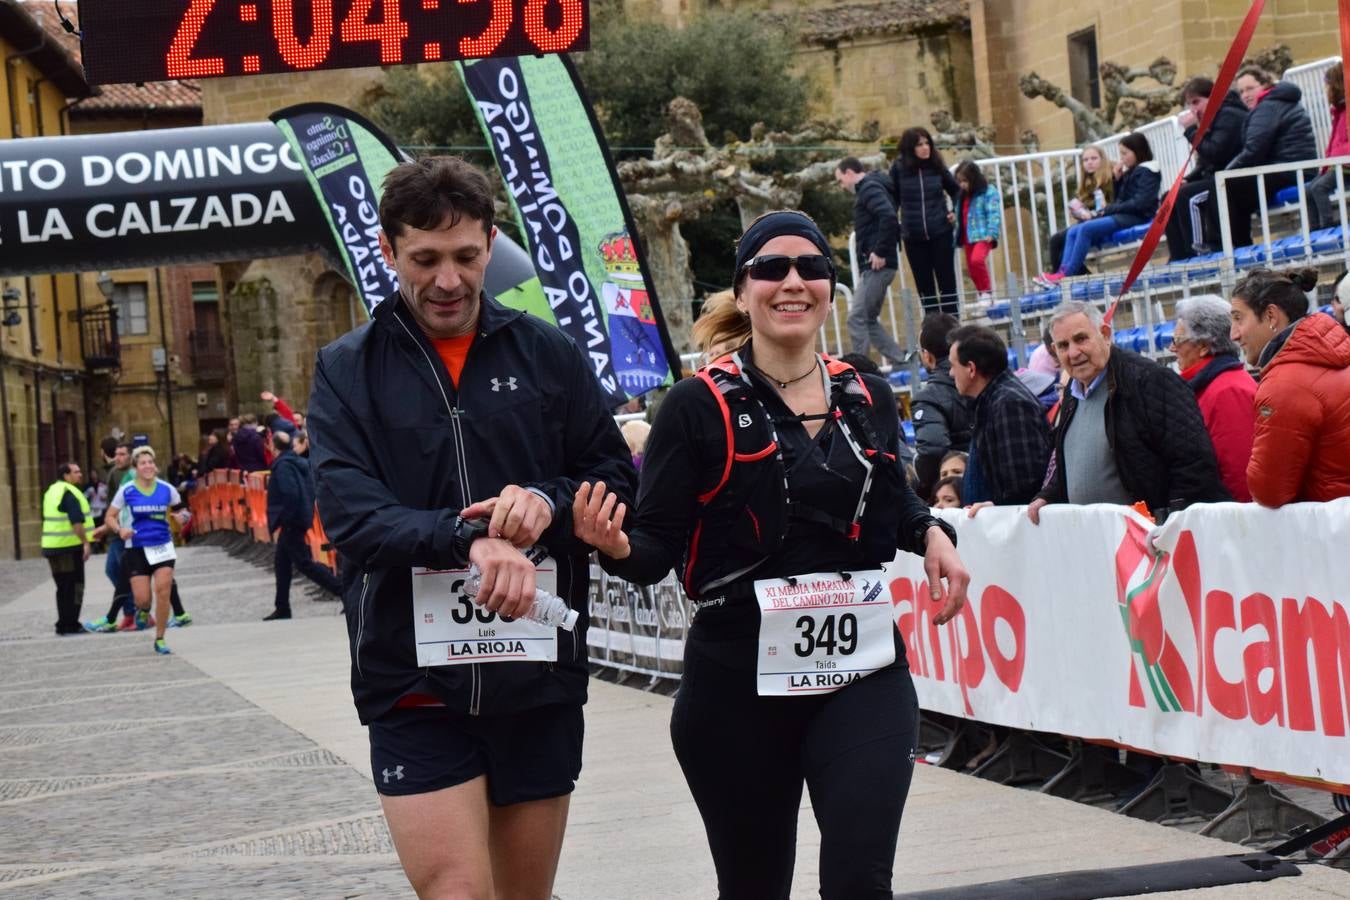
(743, 519)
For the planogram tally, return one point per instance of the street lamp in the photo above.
(105, 286)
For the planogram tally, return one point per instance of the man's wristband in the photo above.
(921, 533)
(466, 531)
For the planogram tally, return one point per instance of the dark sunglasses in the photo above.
(814, 267)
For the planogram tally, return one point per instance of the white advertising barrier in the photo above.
(1229, 643)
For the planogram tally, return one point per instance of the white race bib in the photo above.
(160, 553)
(820, 632)
(452, 630)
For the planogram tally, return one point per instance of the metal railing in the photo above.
(1264, 209)
(99, 341)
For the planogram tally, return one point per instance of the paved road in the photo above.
(236, 768)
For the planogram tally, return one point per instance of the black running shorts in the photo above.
(531, 755)
(137, 565)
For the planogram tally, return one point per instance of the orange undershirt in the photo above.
(452, 352)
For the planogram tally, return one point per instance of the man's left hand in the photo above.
(518, 515)
(87, 551)
(940, 560)
(878, 262)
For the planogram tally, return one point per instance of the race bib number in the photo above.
(452, 630)
(160, 553)
(821, 632)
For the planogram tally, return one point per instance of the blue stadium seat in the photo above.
(1285, 196)
(1000, 310)
(907, 430)
(1289, 247)
(1133, 233)
(1124, 337)
(1162, 335)
(1244, 257)
(1091, 289)
(1327, 240)
(1012, 359)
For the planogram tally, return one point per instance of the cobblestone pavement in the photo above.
(235, 769)
(214, 585)
(127, 774)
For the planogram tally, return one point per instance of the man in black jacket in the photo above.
(1129, 429)
(290, 512)
(452, 431)
(942, 416)
(876, 233)
(1222, 142)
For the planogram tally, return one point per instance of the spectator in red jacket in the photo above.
(1209, 363)
(1301, 449)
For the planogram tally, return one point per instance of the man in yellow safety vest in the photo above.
(67, 528)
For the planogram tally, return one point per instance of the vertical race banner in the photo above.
(345, 158)
(573, 215)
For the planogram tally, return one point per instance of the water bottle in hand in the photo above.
(546, 608)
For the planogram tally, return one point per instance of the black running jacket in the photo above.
(398, 450)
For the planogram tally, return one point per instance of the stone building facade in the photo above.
(281, 311)
(897, 61)
(43, 409)
(1013, 37)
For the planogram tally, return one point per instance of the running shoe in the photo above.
(144, 620)
(101, 625)
(128, 623)
(162, 648)
(180, 621)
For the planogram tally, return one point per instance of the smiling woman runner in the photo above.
(150, 553)
(772, 478)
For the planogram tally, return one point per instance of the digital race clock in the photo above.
(156, 40)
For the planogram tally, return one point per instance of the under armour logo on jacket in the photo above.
(396, 774)
(509, 384)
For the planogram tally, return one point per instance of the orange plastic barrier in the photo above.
(230, 500)
(255, 502)
(319, 546)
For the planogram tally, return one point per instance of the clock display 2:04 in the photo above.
(307, 32)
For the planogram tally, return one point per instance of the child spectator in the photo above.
(948, 493)
(977, 227)
(1138, 180)
(1095, 189)
(953, 464)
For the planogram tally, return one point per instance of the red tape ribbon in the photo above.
(1227, 71)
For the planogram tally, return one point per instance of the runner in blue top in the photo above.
(150, 555)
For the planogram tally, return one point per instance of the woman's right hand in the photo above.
(597, 519)
(126, 533)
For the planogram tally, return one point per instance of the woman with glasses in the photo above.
(1301, 449)
(1208, 360)
(771, 481)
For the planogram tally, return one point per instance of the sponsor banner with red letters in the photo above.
(1222, 636)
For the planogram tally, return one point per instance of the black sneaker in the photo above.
(276, 614)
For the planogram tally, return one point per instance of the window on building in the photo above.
(1084, 81)
(132, 299)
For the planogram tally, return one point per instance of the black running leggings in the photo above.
(746, 757)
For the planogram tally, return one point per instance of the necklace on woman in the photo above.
(782, 385)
